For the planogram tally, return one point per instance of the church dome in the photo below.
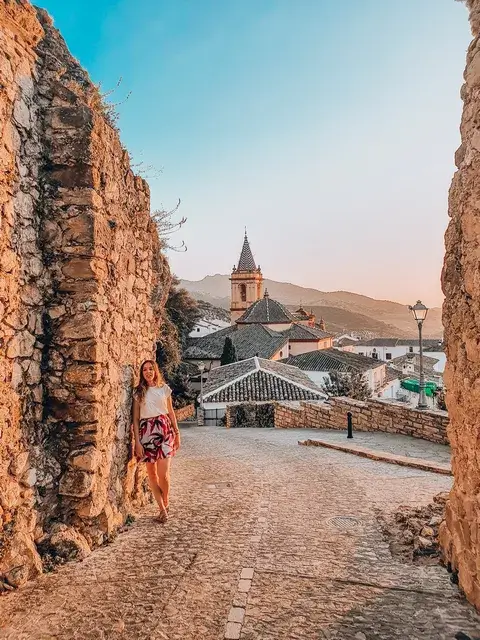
(266, 311)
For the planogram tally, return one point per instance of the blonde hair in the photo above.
(141, 388)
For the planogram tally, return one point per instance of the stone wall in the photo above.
(460, 537)
(81, 269)
(372, 415)
(185, 413)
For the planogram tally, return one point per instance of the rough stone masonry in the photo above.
(82, 280)
(460, 537)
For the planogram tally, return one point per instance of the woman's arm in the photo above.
(136, 428)
(173, 420)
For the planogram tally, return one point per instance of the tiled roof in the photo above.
(249, 340)
(346, 342)
(414, 358)
(220, 376)
(428, 343)
(302, 332)
(246, 262)
(333, 360)
(266, 311)
(294, 374)
(257, 380)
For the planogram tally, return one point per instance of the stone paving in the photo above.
(267, 540)
(389, 442)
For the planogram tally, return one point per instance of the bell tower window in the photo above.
(243, 292)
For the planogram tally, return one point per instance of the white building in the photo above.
(388, 349)
(204, 327)
(319, 364)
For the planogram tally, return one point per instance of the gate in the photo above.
(214, 417)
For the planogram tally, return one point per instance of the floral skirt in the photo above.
(157, 437)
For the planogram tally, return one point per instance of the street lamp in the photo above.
(201, 368)
(419, 312)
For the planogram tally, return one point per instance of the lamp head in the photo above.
(419, 311)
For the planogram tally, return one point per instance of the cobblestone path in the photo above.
(257, 521)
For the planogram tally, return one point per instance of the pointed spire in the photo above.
(246, 262)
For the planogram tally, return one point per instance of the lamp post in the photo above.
(201, 367)
(419, 312)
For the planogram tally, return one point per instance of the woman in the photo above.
(157, 437)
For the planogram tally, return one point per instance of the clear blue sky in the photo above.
(327, 127)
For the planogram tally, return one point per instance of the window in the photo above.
(375, 355)
(281, 354)
(243, 292)
(361, 353)
(388, 356)
(198, 329)
(410, 349)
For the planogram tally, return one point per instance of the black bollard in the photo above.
(349, 425)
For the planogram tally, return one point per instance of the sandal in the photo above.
(162, 517)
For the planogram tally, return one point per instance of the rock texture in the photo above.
(413, 531)
(80, 268)
(460, 537)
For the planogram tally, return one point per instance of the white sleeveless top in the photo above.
(155, 402)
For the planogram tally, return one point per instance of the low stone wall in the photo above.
(185, 413)
(372, 415)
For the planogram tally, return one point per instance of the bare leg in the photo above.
(163, 476)
(155, 485)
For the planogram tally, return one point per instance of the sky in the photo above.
(327, 128)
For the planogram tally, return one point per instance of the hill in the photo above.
(343, 311)
(342, 321)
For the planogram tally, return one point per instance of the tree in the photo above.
(178, 318)
(166, 225)
(351, 385)
(229, 353)
(183, 311)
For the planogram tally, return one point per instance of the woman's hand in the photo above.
(139, 451)
(176, 442)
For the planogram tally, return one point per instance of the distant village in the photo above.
(268, 353)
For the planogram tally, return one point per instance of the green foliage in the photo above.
(351, 385)
(182, 310)
(168, 347)
(265, 416)
(241, 416)
(179, 317)
(229, 353)
(251, 414)
(182, 393)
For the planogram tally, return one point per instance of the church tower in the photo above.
(247, 282)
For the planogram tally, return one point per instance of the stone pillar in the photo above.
(460, 536)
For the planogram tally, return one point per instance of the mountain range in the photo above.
(343, 311)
